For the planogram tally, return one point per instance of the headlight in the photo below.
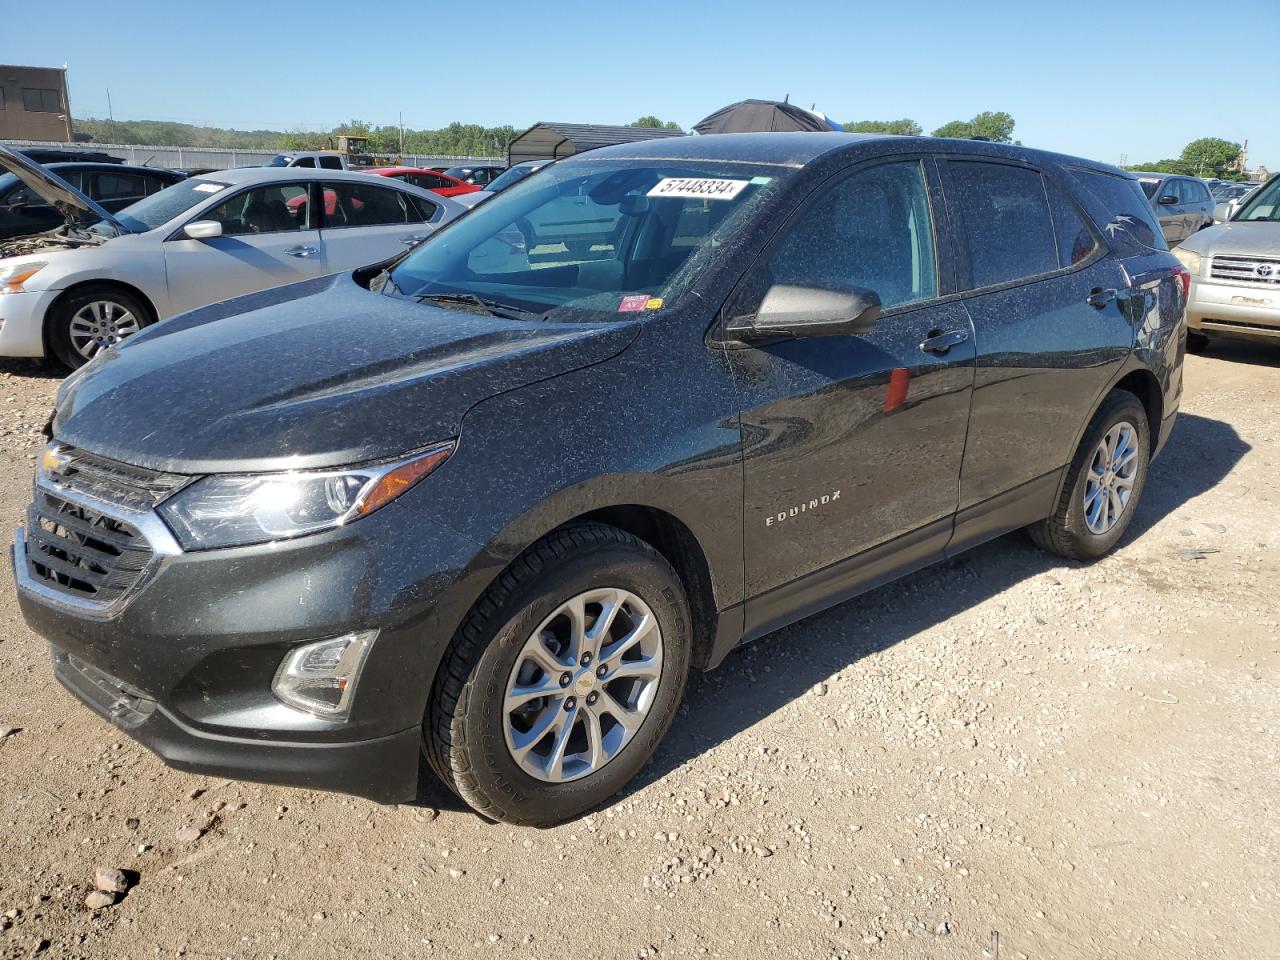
(236, 510)
(1189, 259)
(15, 275)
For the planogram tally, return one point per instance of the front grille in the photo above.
(122, 483)
(1239, 269)
(81, 552)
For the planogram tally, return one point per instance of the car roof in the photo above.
(388, 171)
(798, 149)
(109, 167)
(1154, 175)
(239, 175)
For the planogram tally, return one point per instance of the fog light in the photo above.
(320, 678)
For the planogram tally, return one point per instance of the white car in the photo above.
(72, 291)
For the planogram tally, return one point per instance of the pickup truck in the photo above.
(325, 159)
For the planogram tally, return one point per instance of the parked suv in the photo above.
(495, 505)
(115, 186)
(1235, 270)
(1183, 204)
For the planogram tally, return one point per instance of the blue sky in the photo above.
(1082, 77)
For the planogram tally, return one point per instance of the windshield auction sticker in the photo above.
(209, 187)
(698, 188)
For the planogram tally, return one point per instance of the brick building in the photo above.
(34, 103)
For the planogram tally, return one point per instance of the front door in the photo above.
(850, 442)
(267, 240)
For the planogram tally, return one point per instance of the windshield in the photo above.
(513, 175)
(602, 236)
(459, 173)
(1263, 204)
(159, 208)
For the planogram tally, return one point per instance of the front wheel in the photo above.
(1103, 483)
(92, 319)
(563, 678)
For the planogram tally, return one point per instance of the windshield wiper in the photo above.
(492, 307)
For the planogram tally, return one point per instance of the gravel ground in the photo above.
(1007, 755)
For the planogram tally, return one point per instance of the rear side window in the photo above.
(366, 205)
(1005, 221)
(1127, 207)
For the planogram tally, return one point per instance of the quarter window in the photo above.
(363, 205)
(1127, 208)
(277, 209)
(1005, 220)
(871, 230)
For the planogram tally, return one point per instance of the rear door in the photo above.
(368, 222)
(269, 238)
(1045, 296)
(851, 442)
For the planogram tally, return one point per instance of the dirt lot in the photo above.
(1008, 755)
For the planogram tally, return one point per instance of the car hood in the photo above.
(316, 374)
(69, 201)
(1245, 237)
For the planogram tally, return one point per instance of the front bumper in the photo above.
(185, 665)
(1249, 310)
(22, 322)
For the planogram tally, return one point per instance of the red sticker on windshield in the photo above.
(634, 304)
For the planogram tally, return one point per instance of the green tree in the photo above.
(652, 121)
(1210, 156)
(989, 125)
(957, 129)
(903, 127)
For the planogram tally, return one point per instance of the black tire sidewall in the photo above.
(491, 763)
(1124, 408)
(59, 336)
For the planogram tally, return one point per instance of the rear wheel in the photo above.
(1103, 484)
(91, 319)
(563, 679)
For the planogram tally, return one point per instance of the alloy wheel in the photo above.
(1109, 483)
(582, 685)
(100, 324)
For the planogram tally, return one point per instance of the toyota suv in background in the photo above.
(1183, 204)
(101, 277)
(496, 509)
(1235, 270)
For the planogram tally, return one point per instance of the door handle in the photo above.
(1100, 297)
(941, 343)
(410, 241)
(302, 251)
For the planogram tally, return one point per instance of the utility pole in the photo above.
(402, 133)
(111, 118)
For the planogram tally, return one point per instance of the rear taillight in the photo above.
(1184, 281)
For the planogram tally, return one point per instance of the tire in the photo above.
(1196, 342)
(469, 733)
(1068, 531)
(120, 315)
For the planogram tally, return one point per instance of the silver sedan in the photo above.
(75, 290)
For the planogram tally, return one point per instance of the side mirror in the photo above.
(788, 311)
(203, 230)
(1168, 200)
(1223, 211)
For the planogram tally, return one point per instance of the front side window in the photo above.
(280, 208)
(41, 101)
(1004, 220)
(592, 239)
(305, 162)
(366, 205)
(331, 163)
(872, 230)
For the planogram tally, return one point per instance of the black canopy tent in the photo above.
(763, 116)
(551, 141)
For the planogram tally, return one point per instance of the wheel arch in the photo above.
(154, 314)
(1143, 384)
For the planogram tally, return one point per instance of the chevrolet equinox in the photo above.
(492, 500)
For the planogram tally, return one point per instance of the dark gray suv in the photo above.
(493, 500)
(1183, 204)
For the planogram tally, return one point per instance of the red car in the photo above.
(440, 183)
